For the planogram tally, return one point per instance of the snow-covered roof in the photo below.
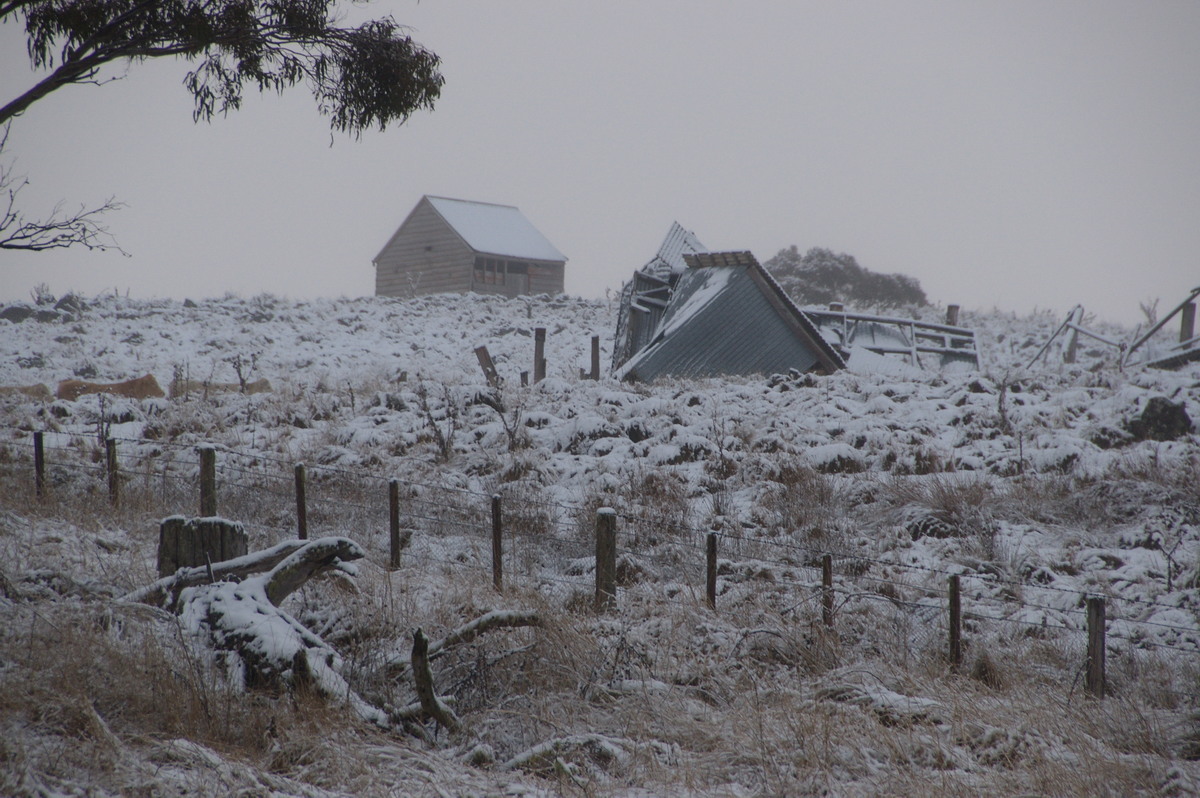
(495, 229)
(727, 316)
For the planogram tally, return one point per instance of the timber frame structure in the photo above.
(888, 335)
(1185, 350)
(1172, 356)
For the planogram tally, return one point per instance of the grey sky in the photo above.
(1013, 154)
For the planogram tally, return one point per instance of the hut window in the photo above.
(495, 271)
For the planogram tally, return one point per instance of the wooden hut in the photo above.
(451, 245)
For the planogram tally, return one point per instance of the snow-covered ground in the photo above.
(1030, 483)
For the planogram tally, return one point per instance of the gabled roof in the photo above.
(495, 229)
(486, 228)
(727, 316)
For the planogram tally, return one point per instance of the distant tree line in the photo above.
(821, 276)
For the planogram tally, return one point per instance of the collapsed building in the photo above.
(691, 313)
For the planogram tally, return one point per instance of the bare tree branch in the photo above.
(60, 229)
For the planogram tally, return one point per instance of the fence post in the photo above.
(955, 623)
(952, 315)
(114, 477)
(595, 375)
(488, 366)
(394, 523)
(539, 354)
(208, 481)
(606, 559)
(497, 545)
(1187, 323)
(711, 571)
(39, 464)
(1094, 682)
(827, 589)
(301, 501)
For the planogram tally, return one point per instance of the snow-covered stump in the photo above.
(190, 542)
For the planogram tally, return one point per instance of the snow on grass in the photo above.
(1025, 482)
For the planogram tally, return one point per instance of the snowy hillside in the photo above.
(1037, 486)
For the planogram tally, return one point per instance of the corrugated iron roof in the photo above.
(727, 316)
(644, 298)
(669, 259)
(495, 229)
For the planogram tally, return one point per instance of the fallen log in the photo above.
(165, 592)
(259, 642)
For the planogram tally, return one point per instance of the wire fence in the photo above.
(550, 542)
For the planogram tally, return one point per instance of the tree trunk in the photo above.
(189, 542)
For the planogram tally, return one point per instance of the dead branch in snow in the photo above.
(496, 619)
(433, 706)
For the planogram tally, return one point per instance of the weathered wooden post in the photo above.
(1094, 681)
(955, 623)
(208, 480)
(189, 542)
(827, 589)
(489, 367)
(1072, 346)
(524, 379)
(595, 375)
(39, 464)
(606, 559)
(710, 580)
(394, 523)
(1187, 322)
(114, 476)
(539, 354)
(497, 545)
(952, 315)
(301, 502)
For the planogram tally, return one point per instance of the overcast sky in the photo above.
(1012, 155)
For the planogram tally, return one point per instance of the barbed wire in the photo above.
(477, 521)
